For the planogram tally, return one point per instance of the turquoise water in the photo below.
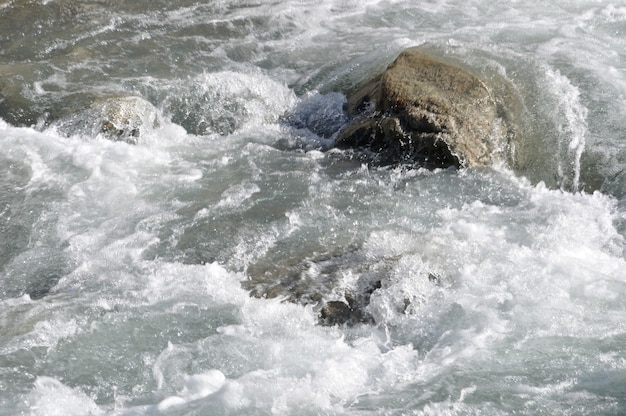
(126, 270)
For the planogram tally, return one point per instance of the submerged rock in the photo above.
(427, 111)
(319, 280)
(336, 312)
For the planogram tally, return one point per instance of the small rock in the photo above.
(124, 118)
(335, 313)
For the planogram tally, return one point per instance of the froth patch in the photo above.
(50, 397)
(225, 102)
(197, 386)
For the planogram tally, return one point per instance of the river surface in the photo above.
(179, 264)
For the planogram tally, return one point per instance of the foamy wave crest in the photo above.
(224, 102)
(571, 122)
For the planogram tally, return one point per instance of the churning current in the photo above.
(179, 263)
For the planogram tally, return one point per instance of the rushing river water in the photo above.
(185, 274)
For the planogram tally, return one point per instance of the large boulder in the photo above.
(426, 111)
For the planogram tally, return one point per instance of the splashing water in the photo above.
(187, 273)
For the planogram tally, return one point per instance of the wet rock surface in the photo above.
(123, 118)
(114, 117)
(426, 111)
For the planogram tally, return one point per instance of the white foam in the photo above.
(496, 296)
(197, 386)
(234, 196)
(227, 102)
(50, 397)
(574, 128)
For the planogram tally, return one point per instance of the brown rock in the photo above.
(424, 110)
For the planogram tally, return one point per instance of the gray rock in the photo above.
(425, 110)
(123, 118)
(335, 313)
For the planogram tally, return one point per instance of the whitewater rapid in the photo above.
(184, 274)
